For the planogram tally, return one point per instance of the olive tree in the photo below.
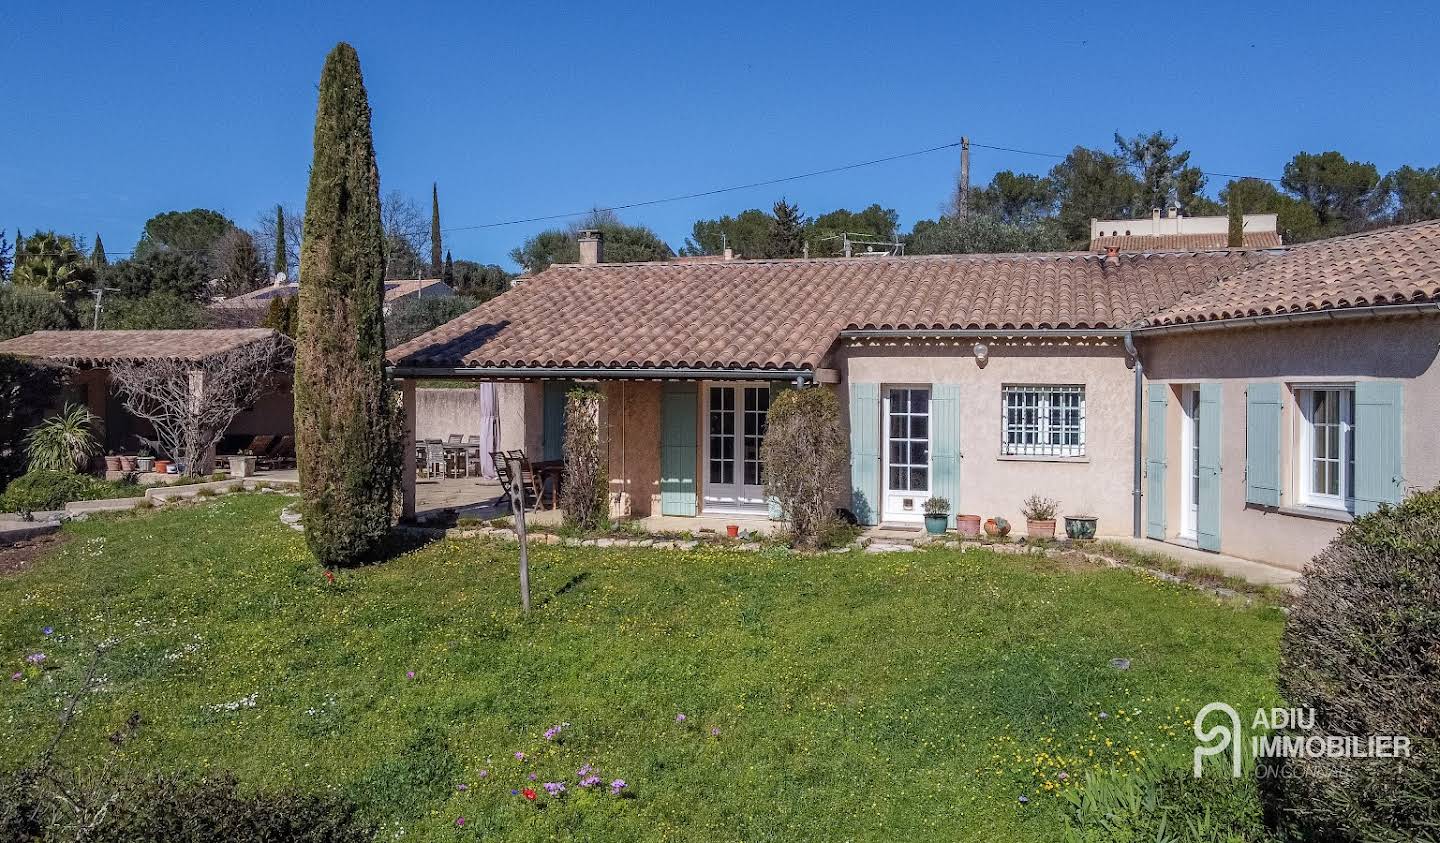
(805, 456)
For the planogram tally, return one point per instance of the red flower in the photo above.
(329, 577)
(528, 793)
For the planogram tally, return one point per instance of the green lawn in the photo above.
(904, 696)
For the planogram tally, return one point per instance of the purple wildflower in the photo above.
(514, 792)
(35, 658)
(589, 781)
(714, 731)
(49, 630)
(534, 777)
(1062, 775)
(584, 771)
(462, 787)
(617, 786)
(484, 774)
(680, 718)
(460, 821)
(519, 756)
(554, 788)
(16, 676)
(1024, 800)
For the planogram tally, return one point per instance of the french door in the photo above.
(907, 453)
(1190, 460)
(735, 428)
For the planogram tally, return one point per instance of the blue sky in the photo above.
(523, 110)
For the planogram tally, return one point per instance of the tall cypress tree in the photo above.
(346, 420)
(448, 276)
(1236, 238)
(98, 260)
(434, 230)
(282, 259)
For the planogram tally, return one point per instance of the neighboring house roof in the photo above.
(1387, 266)
(394, 290)
(1184, 242)
(786, 314)
(96, 348)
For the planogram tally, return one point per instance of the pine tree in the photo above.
(449, 275)
(1236, 239)
(346, 423)
(787, 236)
(282, 260)
(98, 260)
(434, 230)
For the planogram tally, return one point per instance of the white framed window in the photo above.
(1043, 420)
(1327, 446)
(908, 410)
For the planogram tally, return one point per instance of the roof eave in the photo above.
(1298, 317)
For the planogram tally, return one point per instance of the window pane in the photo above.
(898, 478)
(919, 479)
(919, 453)
(897, 427)
(919, 427)
(897, 452)
(919, 400)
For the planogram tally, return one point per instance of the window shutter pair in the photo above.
(1378, 444)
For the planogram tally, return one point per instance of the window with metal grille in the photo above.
(1043, 421)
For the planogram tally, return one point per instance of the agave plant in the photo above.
(64, 442)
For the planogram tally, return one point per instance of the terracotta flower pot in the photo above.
(112, 463)
(732, 530)
(967, 525)
(997, 527)
(1040, 529)
(127, 463)
(162, 466)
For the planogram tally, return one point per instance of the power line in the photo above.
(714, 192)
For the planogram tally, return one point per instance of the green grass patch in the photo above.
(903, 696)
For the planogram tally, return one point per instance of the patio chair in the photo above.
(455, 439)
(504, 461)
(434, 459)
(280, 455)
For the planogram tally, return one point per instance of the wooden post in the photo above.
(407, 454)
(517, 508)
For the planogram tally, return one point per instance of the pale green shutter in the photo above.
(1378, 445)
(865, 451)
(553, 431)
(679, 404)
(1207, 515)
(1155, 409)
(1262, 444)
(945, 443)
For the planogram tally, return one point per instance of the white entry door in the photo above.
(1190, 462)
(907, 453)
(735, 427)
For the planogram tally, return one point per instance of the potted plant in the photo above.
(162, 466)
(127, 463)
(242, 464)
(968, 525)
(937, 515)
(112, 461)
(1040, 516)
(1080, 527)
(145, 461)
(997, 527)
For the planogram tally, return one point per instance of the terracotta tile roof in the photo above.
(1386, 266)
(1184, 242)
(786, 314)
(100, 347)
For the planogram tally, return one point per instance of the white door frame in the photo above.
(893, 506)
(736, 496)
(1189, 460)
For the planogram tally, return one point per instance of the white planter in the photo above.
(242, 466)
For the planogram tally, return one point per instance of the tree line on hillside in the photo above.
(185, 260)
(1318, 195)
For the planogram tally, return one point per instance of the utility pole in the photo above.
(963, 206)
(99, 294)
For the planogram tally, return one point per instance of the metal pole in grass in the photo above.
(517, 508)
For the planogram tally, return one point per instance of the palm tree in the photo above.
(51, 262)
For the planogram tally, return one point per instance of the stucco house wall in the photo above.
(991, 484)
(1341, 351)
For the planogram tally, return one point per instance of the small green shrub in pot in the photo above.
(937, 515)
(1039, 515)
(1362, 650)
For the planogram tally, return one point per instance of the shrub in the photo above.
(1037, 508)
(586, 487)
(175, 810)
(805, 456)
(937, 506)
(45, 490)
(1165, 804)
(63, 442)
(26, 390)
(1362, 649)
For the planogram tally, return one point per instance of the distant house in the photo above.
(1175, 233)
(241, 308)
(1241, 401)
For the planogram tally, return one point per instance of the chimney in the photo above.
(1112, 255)
(280, 279)
(592, 247)
(1155, 215)
(729, 254)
